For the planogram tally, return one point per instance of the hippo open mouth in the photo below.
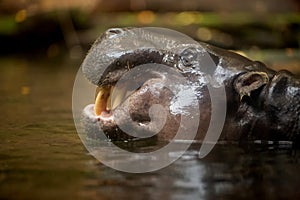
(116, 102)
(104, 103)
(261, 103)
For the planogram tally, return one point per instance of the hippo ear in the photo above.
(249, 82)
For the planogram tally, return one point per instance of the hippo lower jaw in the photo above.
(94, 123)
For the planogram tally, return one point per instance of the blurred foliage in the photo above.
(52, 25)
(230, 30)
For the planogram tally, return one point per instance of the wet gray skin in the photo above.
(262, 104)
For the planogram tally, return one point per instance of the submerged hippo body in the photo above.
(262, 104)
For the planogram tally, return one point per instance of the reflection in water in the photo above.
(41, 156)
(229, 172)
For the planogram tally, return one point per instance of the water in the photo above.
(42, 157)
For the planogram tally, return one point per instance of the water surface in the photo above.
(42, 157)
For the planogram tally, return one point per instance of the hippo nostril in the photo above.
(114, 31)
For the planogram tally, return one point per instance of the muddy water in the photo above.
(42, 157)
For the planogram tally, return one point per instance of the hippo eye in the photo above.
(188, 57)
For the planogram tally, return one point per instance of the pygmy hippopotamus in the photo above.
(261, 104)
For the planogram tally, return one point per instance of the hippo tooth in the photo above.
(101, 100)
(120, 94)
(117, 97)
(108, 103)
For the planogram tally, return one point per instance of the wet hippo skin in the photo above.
(262, 104)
